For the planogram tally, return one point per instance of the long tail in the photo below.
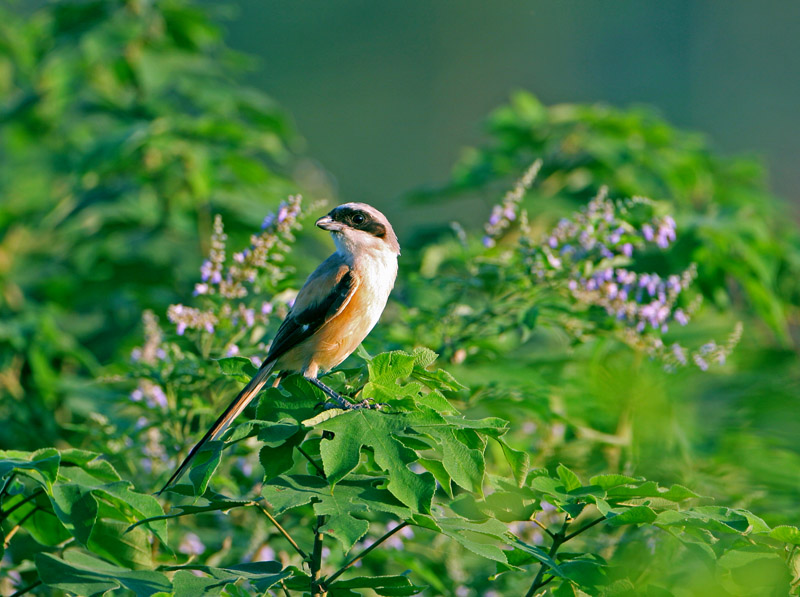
(226, 418)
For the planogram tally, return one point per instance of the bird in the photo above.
(338, 305)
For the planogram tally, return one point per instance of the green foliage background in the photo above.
(126, 128)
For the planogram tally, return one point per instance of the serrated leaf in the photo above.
(389, 586)
(518, 460)
(786, 533)
(262, 575)
(376, 430)
(83, 574)
(240, 368)
(339, 503)
(633, 515)
(41, 465)
(482, 538)
(386, 368)
(609, 481)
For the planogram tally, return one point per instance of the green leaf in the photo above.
(240, 368)
(41, 465)
(262, 575)
(345, 504)
(539, 554)
(482, 538)
(786, 533)
(568, 478)
(357, 429)
(519, 461)
(386, 368)
(83, 574)
(633, 515)
(204, 464)
(390, 586)
(610, 481)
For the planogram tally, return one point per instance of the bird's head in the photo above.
(358, 227)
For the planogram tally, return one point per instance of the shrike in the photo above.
(334, 311)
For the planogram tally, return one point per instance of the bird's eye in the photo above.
(358, 219)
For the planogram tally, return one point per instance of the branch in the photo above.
(388, 534)
(27, 589)
(584, 528)
(282, 531)
(7, 483)
(317, 589)
(544, 528)
(18, 526)
(558, 540)
(35, 494)
(313, 462)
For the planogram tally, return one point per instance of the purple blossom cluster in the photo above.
(508, 209)
(262, 258)
(233, 282)
(591, 249)
(591, 253)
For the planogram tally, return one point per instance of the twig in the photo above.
(537, 581)
(18, 526)
(282, 531)
(26, 589)
(7, 483)
(388, 534)
(317, 589)
(312, 461)
(584, 528)
(285, 590)
(559, 539)
(544, 528)
(22, 502)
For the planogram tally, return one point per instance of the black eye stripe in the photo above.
(349, 215)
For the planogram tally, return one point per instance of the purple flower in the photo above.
(201, 288)
(488, 242)
(157, 397)
(209, 327)
(137, 395)
(266, 308)
(268, 221)
(627, 249)
(681, 317)
(191, 545)
(283, 213)
(205, 270)
(553, 242)
(700, 362)
(264, 554)
(647, 231)
(180, 329)
(232, 351)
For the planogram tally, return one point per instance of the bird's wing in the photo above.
(324, 295)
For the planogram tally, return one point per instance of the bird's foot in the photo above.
(336, 400)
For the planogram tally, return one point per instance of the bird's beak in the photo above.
(328, 223)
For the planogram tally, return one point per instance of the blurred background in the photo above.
(387, 94)
(126, 126)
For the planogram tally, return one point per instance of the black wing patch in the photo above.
(300, 326)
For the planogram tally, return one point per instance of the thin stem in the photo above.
(282, 531)
(312, 461)
(6, 484)
(18, 526)
(388, 534)
(537, 582)
(35, 494)
(544, 528)
(584, 528)
(317, 589)
(559, 539)
(27, 589)
(285, 590)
